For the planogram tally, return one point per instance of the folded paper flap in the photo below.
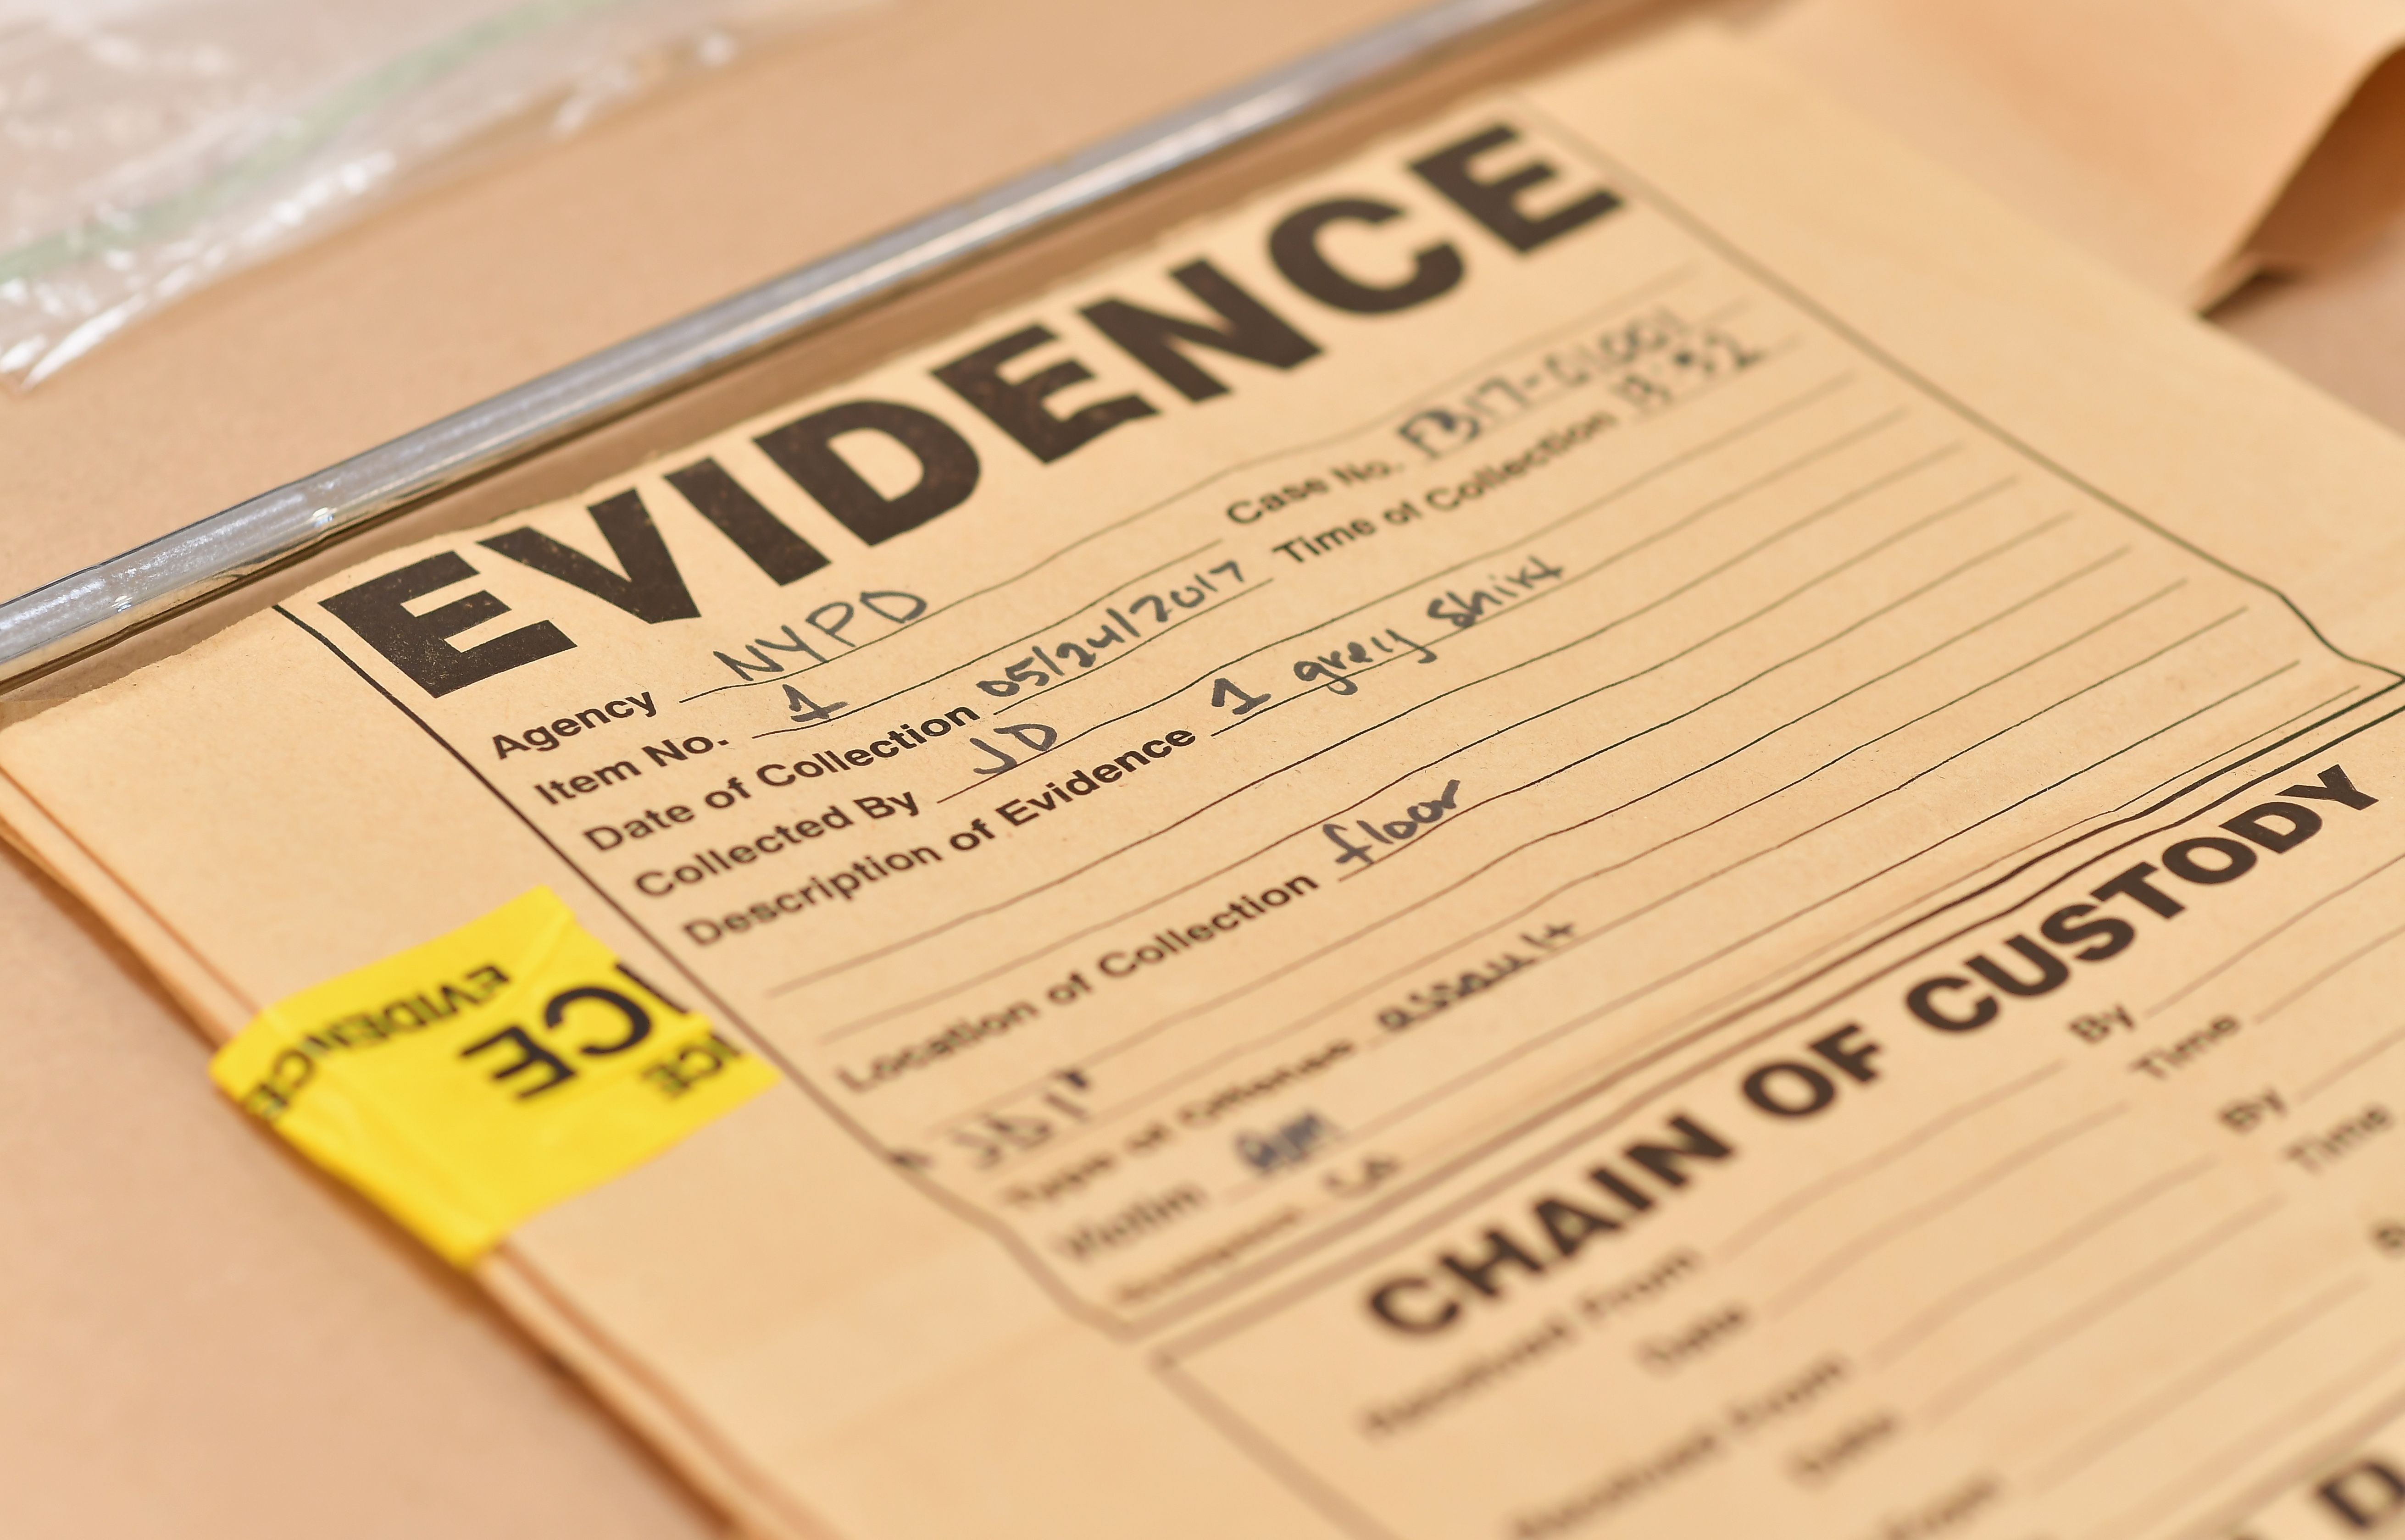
(2189, 142)
(2351, 183)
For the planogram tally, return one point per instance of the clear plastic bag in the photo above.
(147, 147)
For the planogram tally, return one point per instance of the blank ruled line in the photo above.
(2347, 1065)
(1845, 1258)
(2302, 1413)
(1926, 770)
(1872, 928)
(2114, 1431)
(2025, 1351)
(2342, 965)
(1795, 1203)
(2243, 953)
(2180, 721)
(2235, 1455)
(1953, 1305)
(2095, 765)
(2232, 748)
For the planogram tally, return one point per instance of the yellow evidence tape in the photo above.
(467, 1085)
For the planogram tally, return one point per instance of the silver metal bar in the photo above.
(78, 614)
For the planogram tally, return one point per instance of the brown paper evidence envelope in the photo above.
(1932, 274)
(172, 1287)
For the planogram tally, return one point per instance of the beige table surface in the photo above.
(197, 1337)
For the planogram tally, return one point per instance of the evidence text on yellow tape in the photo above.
(469, 1083)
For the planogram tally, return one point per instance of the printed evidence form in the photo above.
(1602, 825)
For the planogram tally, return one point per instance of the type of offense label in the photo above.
(469, 1084)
